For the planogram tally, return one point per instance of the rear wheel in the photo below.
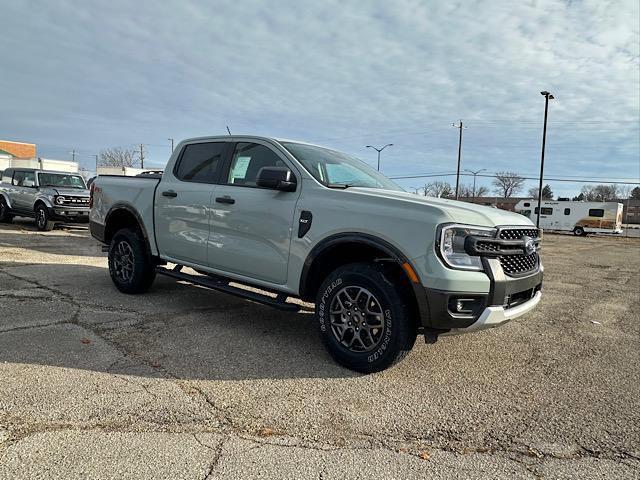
(43, 221)
(579, 232)
(5, 215)
(363, 317)
(130, 265)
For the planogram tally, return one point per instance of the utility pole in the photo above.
(141, 156)
(459, 127)
(379, 150)
(96, 164)
(73, 155)
(547, 97)
(474, 180)
(171, 140)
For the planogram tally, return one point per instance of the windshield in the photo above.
(333, 168)
(61, 180)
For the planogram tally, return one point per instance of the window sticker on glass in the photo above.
(240, 167)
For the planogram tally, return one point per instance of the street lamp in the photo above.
(474, 179)
(547, 97)
(379, 150)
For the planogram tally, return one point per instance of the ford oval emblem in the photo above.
(529, 245)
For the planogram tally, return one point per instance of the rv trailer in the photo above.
(581, 218)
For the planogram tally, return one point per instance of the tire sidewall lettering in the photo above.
(386, 340)
(322, 306)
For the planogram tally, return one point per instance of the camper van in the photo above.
(581, 218)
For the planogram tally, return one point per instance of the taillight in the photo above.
(91, 189)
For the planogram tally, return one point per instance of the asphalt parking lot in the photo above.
(185, 383)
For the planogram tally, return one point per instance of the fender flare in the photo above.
(129, 209)
(350, 237)
(43, 198)
(6, 198)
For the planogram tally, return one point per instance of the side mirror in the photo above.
(277, 178)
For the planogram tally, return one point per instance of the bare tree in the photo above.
(117, 157)
(438, 189)
(507, 183)
(547, 193)
(599, 193)
(467, 191)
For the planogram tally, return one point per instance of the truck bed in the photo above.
(136, 193)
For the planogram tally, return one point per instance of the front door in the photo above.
(183, 202)
(24, 190)
(251, 226)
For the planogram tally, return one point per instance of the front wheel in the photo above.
(43, 221)
(130, 265)
(364, 318)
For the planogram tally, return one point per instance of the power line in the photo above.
(526, 178)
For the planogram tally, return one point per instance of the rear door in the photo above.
(183, 202)
(251, 226)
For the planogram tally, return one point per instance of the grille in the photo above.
(517, 264)
(514, 265)
(76, 201)
(487, 247)
(518, 233)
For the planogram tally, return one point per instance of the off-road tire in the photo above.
(385, 289)
(130, 265)
(5, 216)
(43, 222)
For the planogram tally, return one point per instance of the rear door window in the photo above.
(201, 162)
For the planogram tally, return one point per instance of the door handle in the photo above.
(228, 200)
(169, 193)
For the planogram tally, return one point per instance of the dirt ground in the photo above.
(186, 383)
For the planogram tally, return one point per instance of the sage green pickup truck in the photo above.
(279, 221)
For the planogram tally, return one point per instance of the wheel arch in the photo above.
(342, 248)
(121, 215)
(6, 198)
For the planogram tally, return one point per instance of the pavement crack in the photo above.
(217, 455)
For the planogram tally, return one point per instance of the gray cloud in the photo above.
(88, 75)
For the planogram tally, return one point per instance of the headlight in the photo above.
(451, 245)
(60, 200)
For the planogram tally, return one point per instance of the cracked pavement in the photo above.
(186, 383)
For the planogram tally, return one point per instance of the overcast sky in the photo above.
(87, 75)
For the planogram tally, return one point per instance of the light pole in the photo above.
(547, 97)
(379, 150)
(460, 127)
(474, 180)
(171, 140)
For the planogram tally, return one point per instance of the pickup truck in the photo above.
(48, 196)
(278, 221)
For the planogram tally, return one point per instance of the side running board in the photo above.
(222, 285)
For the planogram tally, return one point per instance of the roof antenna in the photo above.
(229, 131)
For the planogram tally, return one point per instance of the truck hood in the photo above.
(459, 212)
(66, 192)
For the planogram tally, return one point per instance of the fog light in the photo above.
(464, 305)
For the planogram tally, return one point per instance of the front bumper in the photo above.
(508, 298)
(497, 315)
(69, 214)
